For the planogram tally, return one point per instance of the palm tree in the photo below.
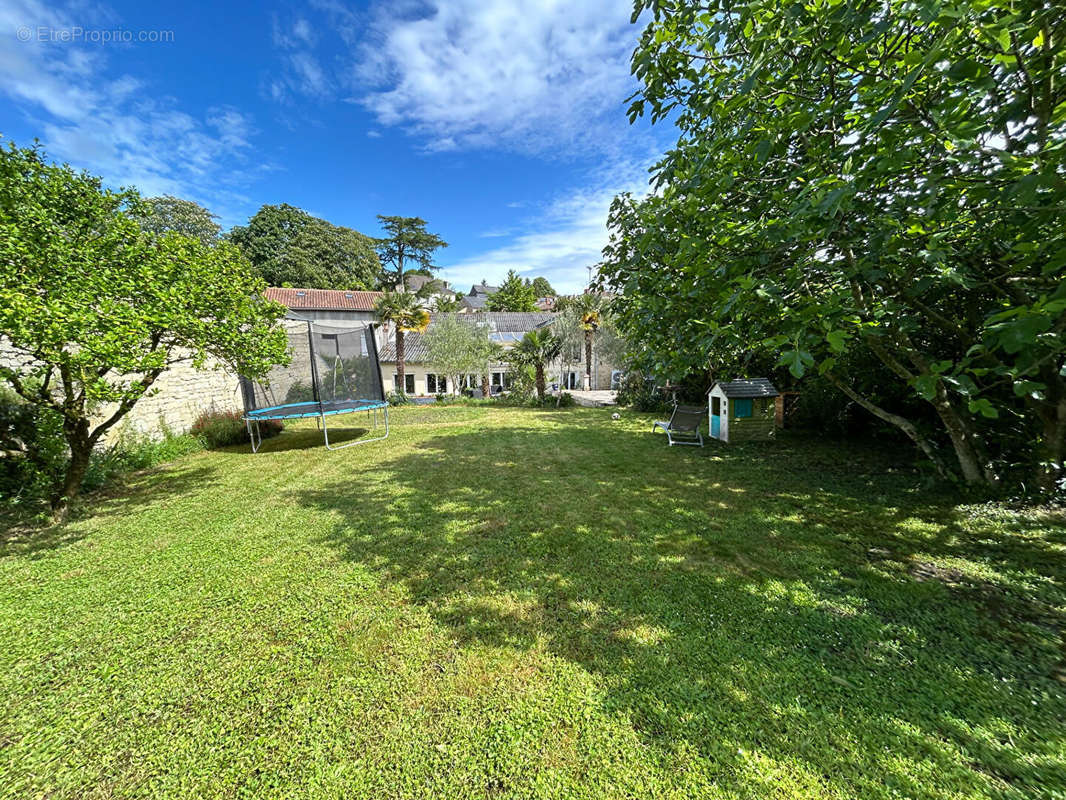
(403, 309)
(590, 308)
(538, 347)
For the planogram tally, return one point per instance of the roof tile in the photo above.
(323, 299)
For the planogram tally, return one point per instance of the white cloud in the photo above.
(110, 124)
(563, 241)
(300, 72)
(534, 76)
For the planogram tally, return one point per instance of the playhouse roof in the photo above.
(748, 387)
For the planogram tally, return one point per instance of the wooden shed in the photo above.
(742, 410)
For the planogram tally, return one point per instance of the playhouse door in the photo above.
(716, 419)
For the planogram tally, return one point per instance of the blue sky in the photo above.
(501, 123)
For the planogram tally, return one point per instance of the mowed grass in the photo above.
(508, 603)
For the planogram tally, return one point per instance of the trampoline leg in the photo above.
(325, 434)
(254, 437)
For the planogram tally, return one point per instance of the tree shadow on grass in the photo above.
(30, 536)
(746, 606)
(304, 439)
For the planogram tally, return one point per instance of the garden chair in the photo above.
(683, 426)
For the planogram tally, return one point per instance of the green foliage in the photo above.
(403, 310)
(288, 247)
(131, 452)
(541, 287)
(515, 294)
(852, 178)
(538, 348)
(459, 346)
(639, 392)
(406, 243)
(512, 602)
(226, 428)
(36, 454)
(168, 214)
(446, 304)
(100, 308)
(33, 452)
(398, 399)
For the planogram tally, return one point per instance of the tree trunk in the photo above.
(81, 449)
(540, 381)
(902, 423)
(485, 388)
(964, 442)
(588, 359)
(400, 366)
(1051, 454)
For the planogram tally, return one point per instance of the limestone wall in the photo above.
(183, 393)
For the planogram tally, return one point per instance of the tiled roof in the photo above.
(323, 299)
(754, 387)
(483, 288)
(415, 350)
(476, 303)
(499, 322)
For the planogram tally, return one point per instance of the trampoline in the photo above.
(331, 371)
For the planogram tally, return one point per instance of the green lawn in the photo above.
(509, 603)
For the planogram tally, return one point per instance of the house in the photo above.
(742, 410)
(428, 288)
(338, 307)
(423, 379)
(479, 295)
(546, 303)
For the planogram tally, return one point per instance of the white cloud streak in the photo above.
(544, 77)
(110, 124)
(560, 243)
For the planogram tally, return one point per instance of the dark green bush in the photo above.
(640, 393)
(36, 453)
(34, 450)
(398, 399)
(226, 428)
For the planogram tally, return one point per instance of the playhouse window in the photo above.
(742, 407)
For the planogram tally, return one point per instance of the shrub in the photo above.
(226, 428)
(398, 399)
(640, 393)
(34, 452)
(134, 452)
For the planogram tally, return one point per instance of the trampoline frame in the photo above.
(255, 416)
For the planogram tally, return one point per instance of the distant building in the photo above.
(546, 303)
(479, 295)
(428, 288)
(337, 307)
(423, 378)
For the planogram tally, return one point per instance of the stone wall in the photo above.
(183, 394)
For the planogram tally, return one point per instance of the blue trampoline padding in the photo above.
(310, 408)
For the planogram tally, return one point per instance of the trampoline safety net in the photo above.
(331, 371)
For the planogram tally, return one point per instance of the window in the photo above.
(571, 380)
(436, 384)
(409, 381)
(716, 406)
(742, 407)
